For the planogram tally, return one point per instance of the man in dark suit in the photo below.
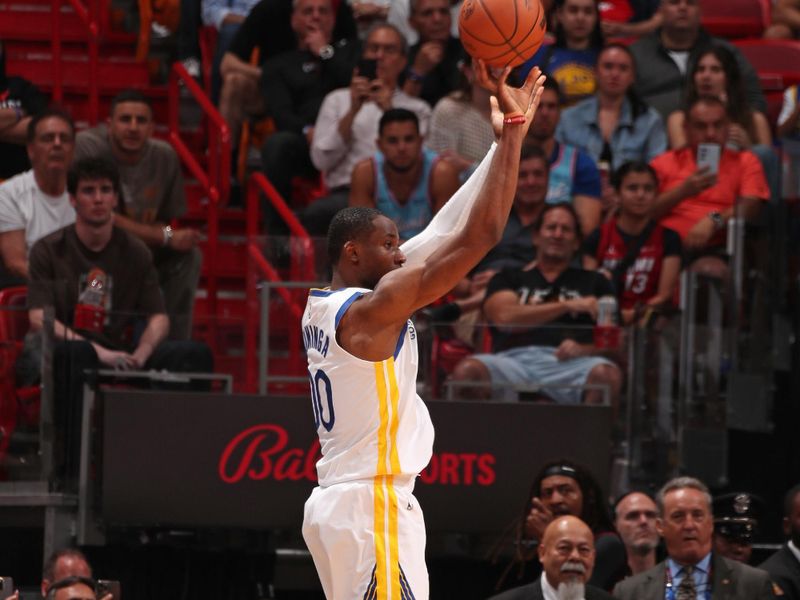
(784, 566)
(567, 556)
(691, 571)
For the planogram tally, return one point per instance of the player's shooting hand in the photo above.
(538, 519)
(508, 101)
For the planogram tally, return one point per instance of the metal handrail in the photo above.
(216, 181)
(89, 18)
(258, 182)
(302, 266)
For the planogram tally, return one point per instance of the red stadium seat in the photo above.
(776, 61)
(16, 404)
(736, 18)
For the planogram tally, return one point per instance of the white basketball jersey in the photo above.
(369, 418)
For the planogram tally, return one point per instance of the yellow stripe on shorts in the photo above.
(387, 568)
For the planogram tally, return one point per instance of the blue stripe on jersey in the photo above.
(371, 587)
(319, 293)
(400, 341)
(344, 307)
(405, 588)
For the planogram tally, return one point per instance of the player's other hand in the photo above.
(508, 101)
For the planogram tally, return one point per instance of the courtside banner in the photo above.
(202, 460)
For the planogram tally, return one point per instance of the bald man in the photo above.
(635, 520)
(567, 556)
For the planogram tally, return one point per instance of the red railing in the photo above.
(216, 180)
(302, 268)
(89, 18)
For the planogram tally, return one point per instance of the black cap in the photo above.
(736, 516)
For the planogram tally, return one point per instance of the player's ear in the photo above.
(350, 250)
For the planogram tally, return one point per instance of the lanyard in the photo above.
(672, 594)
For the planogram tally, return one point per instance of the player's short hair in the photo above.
(92, 168)
(49, 568)
(130, 95)
(679, 483)
(348, 224)
(788, 500)
(52, 111)
(632, 166)
(397, 115)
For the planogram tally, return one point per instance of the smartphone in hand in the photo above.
(368, 67)
(708, 156)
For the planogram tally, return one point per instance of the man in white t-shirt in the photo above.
(347, 124)
(35, 203)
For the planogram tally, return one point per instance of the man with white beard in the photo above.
(567, 556)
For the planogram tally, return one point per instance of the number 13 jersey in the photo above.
(369, 418)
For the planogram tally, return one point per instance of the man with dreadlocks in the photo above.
(564, 488)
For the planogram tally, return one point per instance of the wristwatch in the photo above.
(326, 52)
(717, 219)
(167, 231)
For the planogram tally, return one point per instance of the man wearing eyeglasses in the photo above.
(347, 125)
(35, 203)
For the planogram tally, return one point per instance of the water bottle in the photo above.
(90, 311)
(606, 331)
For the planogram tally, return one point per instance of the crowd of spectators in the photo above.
(379, 102)
(570, 542)
(680, 540)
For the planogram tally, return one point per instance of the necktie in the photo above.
(686, 590)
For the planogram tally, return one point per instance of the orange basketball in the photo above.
(502, 32)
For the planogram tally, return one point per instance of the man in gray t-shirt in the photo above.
(152, 197)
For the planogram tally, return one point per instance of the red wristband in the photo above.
(516, 120)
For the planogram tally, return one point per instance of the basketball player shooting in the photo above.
(362, 523)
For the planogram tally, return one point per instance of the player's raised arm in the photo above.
(402, 291)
